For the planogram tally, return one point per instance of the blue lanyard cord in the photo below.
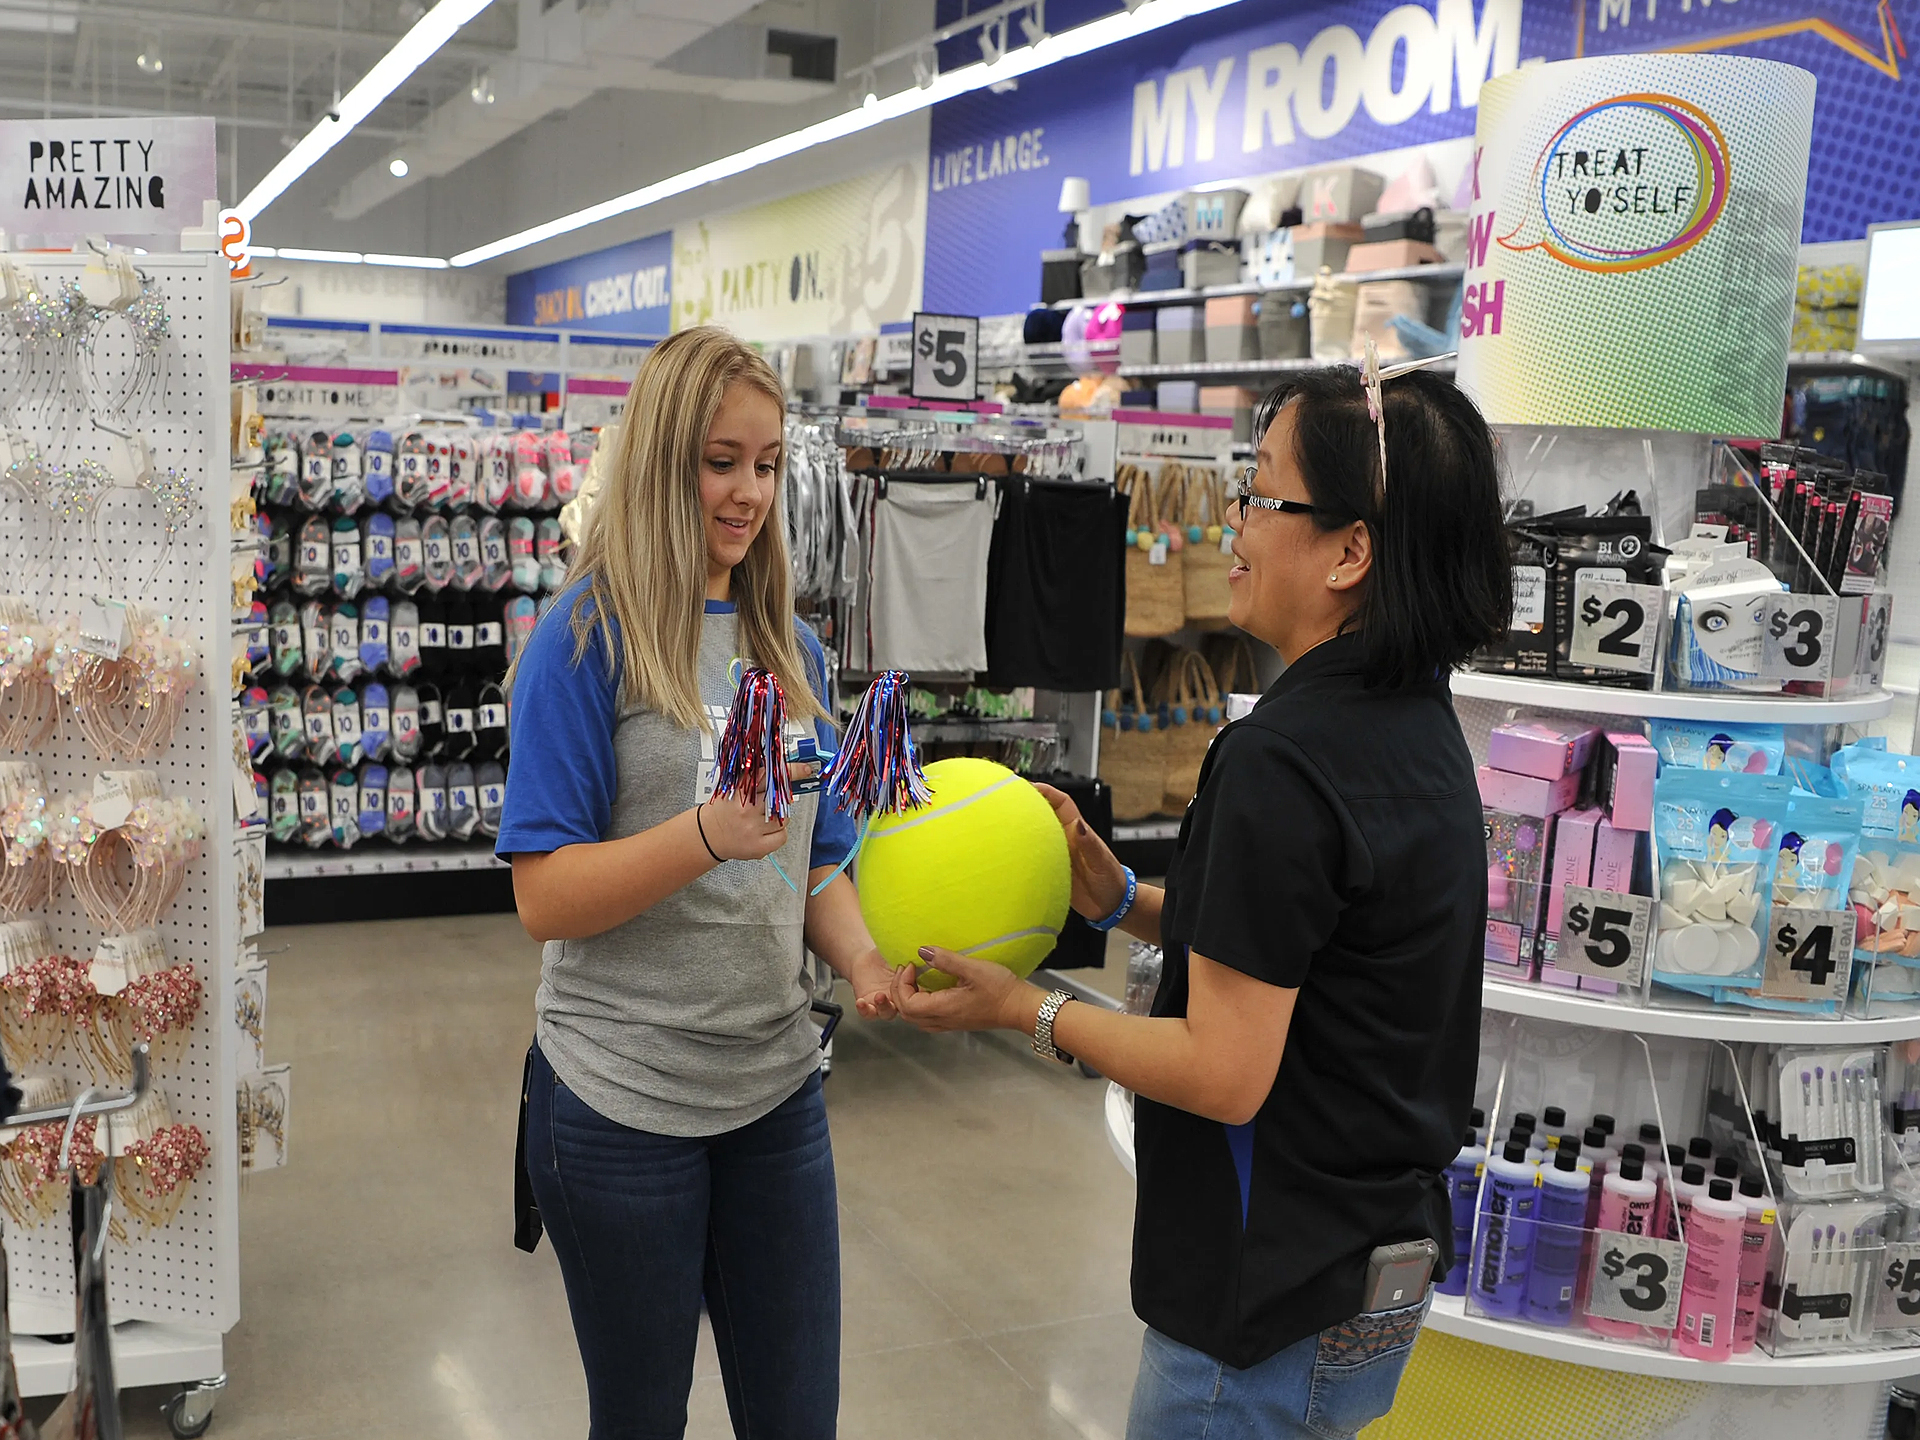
(865, 826)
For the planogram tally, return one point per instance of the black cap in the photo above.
(1522, 1134)
(1566, 1157)
(1554, 1117)
(1634, 1149)
(1650, 1135)
(1595, 1137)
(1469, 1139)
(1700, 1148)
(1693, 1175)
(1526, 1118)
(1720, 1189)
(1476, 1117)
(1727, 1168)
(1751, 1187)
(1603, 1122)
(1570, 1142)
(1629, 1168)
(1515, 1151)
(1675, 1155)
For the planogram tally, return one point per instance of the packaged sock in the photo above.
(404, 639)
(259, 647)
(460, 458)
(279, 551)
(376, 721)
(316, 630)
(343, 795)
(280, 484)
(313, 557)
(563, 480)
(409, 556)
(489, 638)
(459, 721)
(430, 802)
(283, 805)
(373, 799)
(490, 795)
(349, 473)
(463, 810)
(490, 722)
(459, 637)
(410, 470)
(283, 622)
(376, 537)
(521, 618)
(468, 568)
(529, 471)
(406, 723)
(284, 719)
(433, 730)
(399, 804)
(436, 548)
(345, 661)
(256, 720)
(553, 567)
(316, 716)
(347, 726)
(433, 635)
(312, 797)
(526, 567)
(495, 568)
(496, 471)
(379, 466)
(439, 452)
(349, 567)
(374, 632)
(316, 471)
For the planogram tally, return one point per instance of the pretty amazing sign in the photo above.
(63, 178)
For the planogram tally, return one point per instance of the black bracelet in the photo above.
(703, 835)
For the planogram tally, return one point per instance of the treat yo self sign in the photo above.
(68, 178)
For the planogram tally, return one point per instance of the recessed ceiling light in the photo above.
(397, 167)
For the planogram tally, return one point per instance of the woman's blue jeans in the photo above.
(644, 1225)
(1324, 1387)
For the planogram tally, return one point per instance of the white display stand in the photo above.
(1756, 1397)
(175, 1291)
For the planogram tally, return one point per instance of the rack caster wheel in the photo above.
(190, 1413)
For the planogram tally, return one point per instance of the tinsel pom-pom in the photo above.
(752, 757)
(877, 771)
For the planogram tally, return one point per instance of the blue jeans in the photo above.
(1324, 1387)
(644, 1225)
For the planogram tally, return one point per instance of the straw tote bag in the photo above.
(1232, 661)
(1197, 710)
(1205, 562)
(1156, 593)
(1133, 752)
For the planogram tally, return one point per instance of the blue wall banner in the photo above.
(1245, 91)
(627, 290)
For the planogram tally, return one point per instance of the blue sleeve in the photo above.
(834, 833)
(561, 775)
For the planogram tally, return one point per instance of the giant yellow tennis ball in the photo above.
(980, 869)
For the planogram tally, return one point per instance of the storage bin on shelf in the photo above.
(1180, 333)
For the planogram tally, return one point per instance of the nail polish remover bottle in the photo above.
(1708, 1295)
(1503, 1248)
(1559, 1237)
(1756, 1244)
(1689, 1187)
(1463, 1188)
(1626, 1205)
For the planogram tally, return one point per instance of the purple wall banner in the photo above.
(626, 289)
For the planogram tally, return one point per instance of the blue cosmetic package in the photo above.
(1720, 745)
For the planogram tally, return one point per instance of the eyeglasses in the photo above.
(1246, 498)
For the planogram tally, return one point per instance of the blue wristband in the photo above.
(1126, 903)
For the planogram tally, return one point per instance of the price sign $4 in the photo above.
(1809, 954)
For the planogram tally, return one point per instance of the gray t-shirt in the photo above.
(690, 1018)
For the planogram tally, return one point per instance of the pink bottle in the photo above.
(1756, 1244)
(1626, 1205)
(1709, 1294)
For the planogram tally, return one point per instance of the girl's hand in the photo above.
(736, 828)
(984, 996)
(1099, 880)
(872, 981)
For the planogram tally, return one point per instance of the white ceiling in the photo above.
(589, 98)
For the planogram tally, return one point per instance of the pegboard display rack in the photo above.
(174, 1291)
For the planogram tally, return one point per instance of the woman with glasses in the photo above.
(1308, 1068)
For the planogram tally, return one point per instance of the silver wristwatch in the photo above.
(1043, 1028)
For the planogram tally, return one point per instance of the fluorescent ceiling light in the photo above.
(348, 257)
(1049, 50)
(411, 262)
(326, 257)
(409, 53)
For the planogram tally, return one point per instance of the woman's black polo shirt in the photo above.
(1335, 847)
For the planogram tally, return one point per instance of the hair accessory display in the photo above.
(27, 879)
(154, 1159)
(126, 873)
(32, 1179)
(28, 703)
(46, 996)
(145, 996)
(128, 707)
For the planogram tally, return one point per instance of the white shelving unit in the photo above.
(1672, 704)
(1678, 1016)
(380, 858)
(1211, 292)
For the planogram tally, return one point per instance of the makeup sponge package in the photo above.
(1716, 836)
(1887, 785)
(1813, 870)
(1885, 896)
(1723, 745)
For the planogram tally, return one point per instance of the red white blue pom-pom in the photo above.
(752, 756)
(878, 768)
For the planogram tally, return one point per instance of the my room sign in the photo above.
(66, 178)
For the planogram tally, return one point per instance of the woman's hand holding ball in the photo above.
(1099, 880)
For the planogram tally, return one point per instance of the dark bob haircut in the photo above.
(1441, 584)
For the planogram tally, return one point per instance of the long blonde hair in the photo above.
(644, 554)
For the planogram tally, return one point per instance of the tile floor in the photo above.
(985, 1224)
